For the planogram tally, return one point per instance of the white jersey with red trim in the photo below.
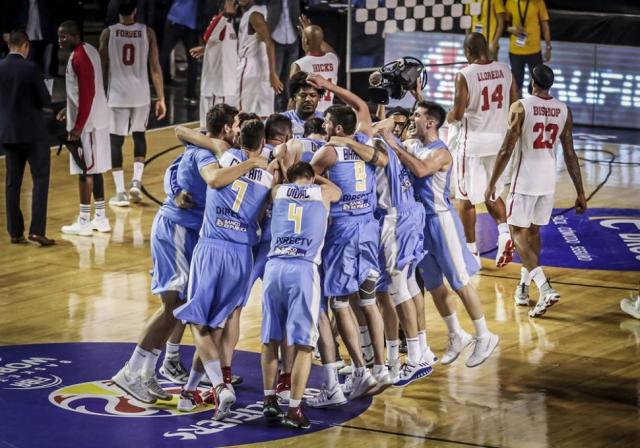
(252, 52)
(128, 62)
(484, 124)
(86, 102)
(325, 65)
(535, 154)
(220, 62)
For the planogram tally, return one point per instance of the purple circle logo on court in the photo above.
(601, 238)
(61, 395)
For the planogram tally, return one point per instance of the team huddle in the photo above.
(342, 219)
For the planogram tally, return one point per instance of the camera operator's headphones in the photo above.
(396, 78)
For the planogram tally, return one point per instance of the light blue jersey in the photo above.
(185, 175)
(299, 223)
(433, 190)
(232, 212)
(297, 123)
(356, 179)
(309, 147)
(393, 185)
(265, 224)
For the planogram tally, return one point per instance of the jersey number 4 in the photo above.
(496, 97)
(551, 129)
(128, 54)
(295, 214)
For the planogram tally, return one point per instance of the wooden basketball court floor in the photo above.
(570, 378)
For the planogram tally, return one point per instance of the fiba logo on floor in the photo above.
(67, 385)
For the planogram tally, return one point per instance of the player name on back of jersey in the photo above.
(544, 111)
(320, 68)
(294, 193)
(489, 75)
(349, 154)
(129, 33)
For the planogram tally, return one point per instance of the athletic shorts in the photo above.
(207, 102)
(96, 151)
(350, 254)
(218, 282)
(447, 253)
(256, 95)
(472, 177)
(291, 303)
(399, 241)
(524, 210)
(125, 120)
(171, 250)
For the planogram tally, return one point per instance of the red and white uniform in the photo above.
(325, 65)
(87, 108)
(219, 80)
(534, 174)
(129, 94)
(482, 129)
(255, 92)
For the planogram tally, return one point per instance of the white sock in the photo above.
(99, 214)
(359, 371)
(330, 375)
(172, 351)
(365, 337)
(294, 403)
(524, 276)
(194, 379)
(378, 369)
(138, 168)
(473, 248)
(413, 350)
(118, 179)
(269, 393)
(422, 337)
(137, 360)
(452, 323)
(481, 326)
(149, 368)
(214, 371)
(85, 213)
(393, 349)
(503, 228)
(538, 276)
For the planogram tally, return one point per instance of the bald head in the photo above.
(69, 35)
(312, 38)
(476, 47)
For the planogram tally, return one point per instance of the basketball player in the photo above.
(174, 234)
(429, 160)
(256, 69)
(536, 124)
(484, 90)
(87, 116)
(305, 99)
(218, 82)
(222, 260)
(319, 58)
(292, 292)
(351, 250)
(313, 138)
(127, 49)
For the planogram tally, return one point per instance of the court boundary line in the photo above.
(560, 282)
(414, 436)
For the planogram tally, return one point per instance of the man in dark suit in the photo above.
(23, 135)
(282, 21)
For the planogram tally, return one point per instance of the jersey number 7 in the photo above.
(241, 187)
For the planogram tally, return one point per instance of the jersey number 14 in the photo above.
(496, 97)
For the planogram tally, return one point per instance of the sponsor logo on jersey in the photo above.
(59, 395)
(601, 238)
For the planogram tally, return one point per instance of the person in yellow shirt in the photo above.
(526, 20)
(490, 25)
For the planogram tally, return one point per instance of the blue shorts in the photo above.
(291, 302)
(447, 255)
(171, 249)
(218, 282)
(419, 216)
(399, 241)
(350, 254)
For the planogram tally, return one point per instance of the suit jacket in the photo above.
(23, 95)
(274, 11)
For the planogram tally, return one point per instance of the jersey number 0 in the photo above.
(128, 54)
